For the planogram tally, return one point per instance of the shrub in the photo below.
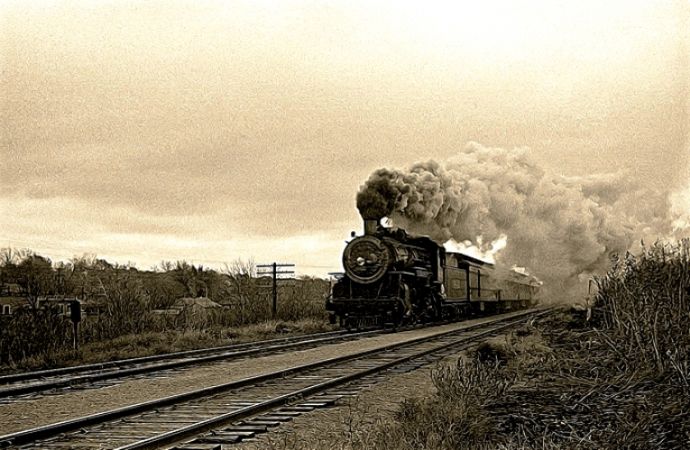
(126, 311)
(643, 304)
(456, 417)
(33, 334)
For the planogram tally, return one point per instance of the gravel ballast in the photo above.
(46, 409)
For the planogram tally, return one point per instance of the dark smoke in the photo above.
(563, 229)
(380, 196)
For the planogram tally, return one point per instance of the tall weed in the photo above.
(642, 304)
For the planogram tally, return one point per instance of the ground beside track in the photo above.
(29, 413)
(156, 343)
(370, 419)
(552, 386)
(347, 425)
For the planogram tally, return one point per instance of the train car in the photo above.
(483, 288)
(395, 278)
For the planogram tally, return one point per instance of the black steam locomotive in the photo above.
(395, 278)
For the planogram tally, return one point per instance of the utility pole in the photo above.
(272, 269)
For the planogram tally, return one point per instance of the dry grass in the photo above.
(152, 343)
(644, 307)
(619, 381)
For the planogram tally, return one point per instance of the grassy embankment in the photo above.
(153, 343)
(619, 381)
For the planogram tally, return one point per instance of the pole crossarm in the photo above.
(277, 275)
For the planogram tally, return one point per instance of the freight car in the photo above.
(395, 278)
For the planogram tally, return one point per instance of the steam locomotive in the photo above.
(395, 278)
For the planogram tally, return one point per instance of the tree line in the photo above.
(128, 299)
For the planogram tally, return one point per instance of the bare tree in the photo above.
(8, 256)
(243, 289)
(164, 266)
(36, 277)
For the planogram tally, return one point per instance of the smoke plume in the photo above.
(563, 229)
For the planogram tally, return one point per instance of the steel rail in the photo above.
(6, 379)
(43, 432)
(254, 348)
(121, 373)
(248, 411)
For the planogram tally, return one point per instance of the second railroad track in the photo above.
(220, 415)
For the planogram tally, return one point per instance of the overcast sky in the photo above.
(212, 130)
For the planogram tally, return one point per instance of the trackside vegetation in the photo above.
(129, 312)
(618, 380)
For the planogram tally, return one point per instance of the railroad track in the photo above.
(12, 386)
(220, 415)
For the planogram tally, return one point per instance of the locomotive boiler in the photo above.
(391, 277)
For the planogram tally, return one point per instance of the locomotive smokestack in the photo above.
(370, 226)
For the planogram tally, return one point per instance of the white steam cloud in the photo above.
(478, 251)
(563, 229)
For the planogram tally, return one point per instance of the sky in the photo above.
(212, 131)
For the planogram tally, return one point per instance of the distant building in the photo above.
(189, 305)
(190, 312)
(12, 299)
(60, 304)
(10, 305)
(195, 304)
